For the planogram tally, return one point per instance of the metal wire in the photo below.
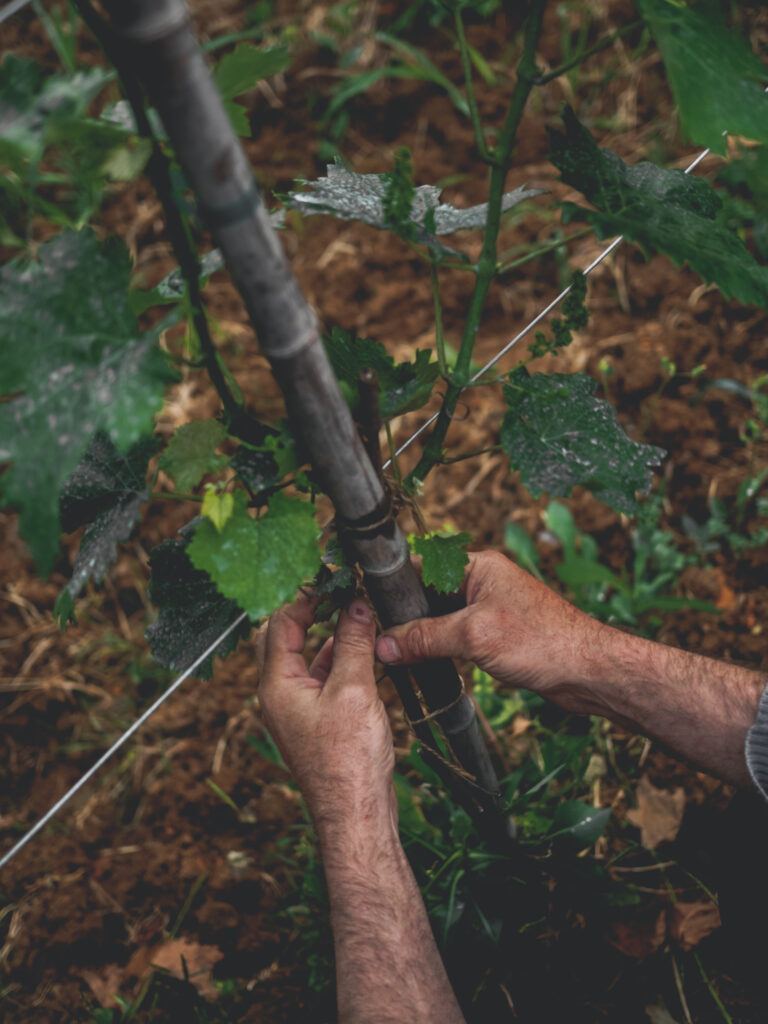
(116, 746)
(10, 9)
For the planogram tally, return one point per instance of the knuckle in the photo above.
(420, 642)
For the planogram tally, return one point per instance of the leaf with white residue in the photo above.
(350, 196)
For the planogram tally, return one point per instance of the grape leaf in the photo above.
(402, 386)
(259, 562)
(192, 612)
(350, 196)
(713, 74)
(191, 453)
(558, 434)
(442, 559)
(76, 363)
(217, 506)
(32, 106)
(665, 210)
(104, 494)
(263, 466)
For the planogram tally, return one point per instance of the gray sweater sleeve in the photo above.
(756, 749)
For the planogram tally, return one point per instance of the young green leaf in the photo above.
(217, 506)
(104, 494)
(369, 198)
(558, 434)
(442, 559)
(76, 363)
(402, 386)
(192, 612)
(521, 544)
(259, 562)
(665, 210)
(714, 76)
(191, 453)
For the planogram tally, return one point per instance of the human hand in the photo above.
(513, 627)
(328, 720)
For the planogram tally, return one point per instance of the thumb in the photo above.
(424, 639)
(353, 646)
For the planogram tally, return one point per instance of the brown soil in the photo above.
(149, 864)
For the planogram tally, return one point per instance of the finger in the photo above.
(442, 637)
(286, 637)
(321, 665)
(353, 647)
(259, 648)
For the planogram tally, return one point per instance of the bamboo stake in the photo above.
(162, 49)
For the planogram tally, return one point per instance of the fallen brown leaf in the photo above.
(692, 922)
(105, 984)
(639, 937)
(199, 961)
(659, 813)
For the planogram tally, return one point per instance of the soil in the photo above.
(149, 865)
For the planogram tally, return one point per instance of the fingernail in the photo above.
(387, 649)
(360, 611)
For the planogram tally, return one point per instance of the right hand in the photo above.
(513, 627)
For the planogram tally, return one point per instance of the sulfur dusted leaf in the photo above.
(263, 466)
(442, 559)
(259, 562)
(402, 386)
(191, 453)
(104, 494)
(192, 612)
(370, 197)
(76, 364)
(714, 76)
(558, 435)
(665, 210)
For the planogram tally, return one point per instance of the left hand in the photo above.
(328, 721)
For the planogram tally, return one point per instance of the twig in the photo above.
(603, 44)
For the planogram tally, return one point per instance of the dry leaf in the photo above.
(659, 813)
(105, 984)
(199, 961)
(692, 922)
(639, 937)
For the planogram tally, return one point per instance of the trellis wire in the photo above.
(116, 746)
(6, 12)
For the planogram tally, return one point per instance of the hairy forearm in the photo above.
(699, 708)
(388, 969)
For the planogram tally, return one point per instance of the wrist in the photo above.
(357, 830)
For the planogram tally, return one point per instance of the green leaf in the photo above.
(217, 506)
(75, 360)
(368, 198)
(442, 559)
(239, 71)
(191, 453)
(104, 494)
(665, 210)
(558, 435)
(402, 386)
(520, 543)
(580, 822)
(192, 612)
(32, 106)
(259, 562)
(714, 76)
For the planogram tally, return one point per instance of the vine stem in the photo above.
(487, 263)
